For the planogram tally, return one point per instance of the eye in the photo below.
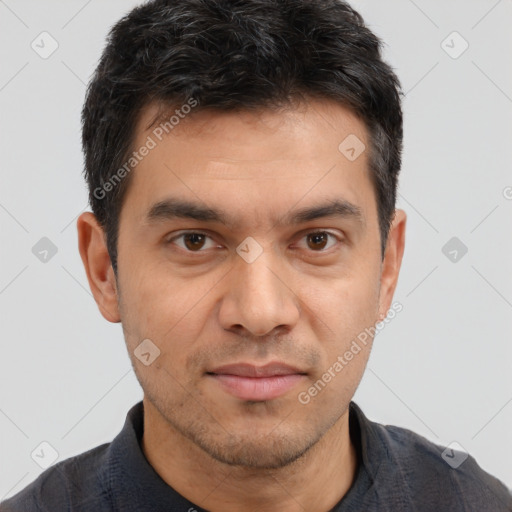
(318, 240)
(196, 241)
(193, 241)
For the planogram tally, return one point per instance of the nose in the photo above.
(259, 296)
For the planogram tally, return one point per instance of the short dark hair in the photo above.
(236, 55)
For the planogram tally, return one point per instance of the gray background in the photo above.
(440, 368)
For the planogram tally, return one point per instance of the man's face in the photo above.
(285, 296)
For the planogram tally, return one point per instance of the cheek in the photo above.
(169, 310)
(346, 310)
(348, 304)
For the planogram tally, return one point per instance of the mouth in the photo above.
(257, 383)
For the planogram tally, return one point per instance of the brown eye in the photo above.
(192, 241)
(317, 241)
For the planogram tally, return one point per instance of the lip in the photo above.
(272, 369)
(257, 383)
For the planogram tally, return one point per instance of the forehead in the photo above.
(296, 133)
(265, 161)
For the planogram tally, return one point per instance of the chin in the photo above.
(266, 453)
(273, 447)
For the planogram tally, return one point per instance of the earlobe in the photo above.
(392, 262)
(98, 267)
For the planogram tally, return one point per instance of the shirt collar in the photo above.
(380, 481)
(135, 485)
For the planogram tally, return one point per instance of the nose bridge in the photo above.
(258, 279)
(258, 297)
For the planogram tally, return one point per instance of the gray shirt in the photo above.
(398, 471)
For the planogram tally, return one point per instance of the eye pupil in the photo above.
(318, 237)
(193, 237)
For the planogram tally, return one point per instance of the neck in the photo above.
(315, 482)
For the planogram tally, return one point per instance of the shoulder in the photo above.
(441, 475)
(74, 482)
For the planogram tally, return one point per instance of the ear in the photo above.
(98, 267)
(392, 262)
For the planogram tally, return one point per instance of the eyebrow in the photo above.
(173, 208)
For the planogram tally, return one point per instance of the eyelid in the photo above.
(302, 235)
(314, 231)
(189, 232)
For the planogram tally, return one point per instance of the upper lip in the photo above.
(250, 370)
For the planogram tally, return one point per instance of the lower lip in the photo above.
(257, 388)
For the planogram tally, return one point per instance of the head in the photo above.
(242, 160)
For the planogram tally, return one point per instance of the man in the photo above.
(242, 159)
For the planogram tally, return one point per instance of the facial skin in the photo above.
(302, 301)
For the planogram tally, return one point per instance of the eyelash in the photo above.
(314, 232)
